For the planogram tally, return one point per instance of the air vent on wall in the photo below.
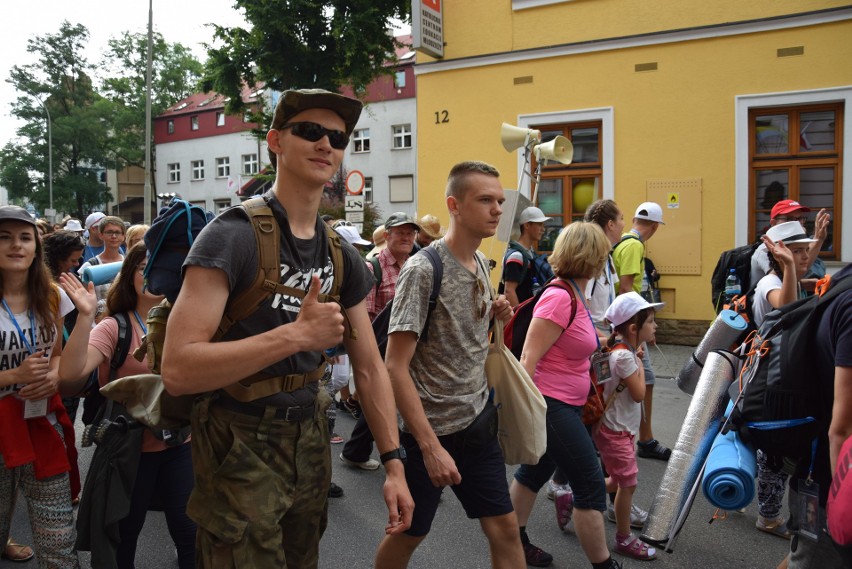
(524, 79)
(652, 66)
(791, 51)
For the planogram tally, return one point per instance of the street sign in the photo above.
(354, 183)
(355, 217)
(354, 203)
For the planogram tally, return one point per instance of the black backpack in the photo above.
(93, 399)
(382, 319)
(778, 404)
(738, 259)
(515, 330)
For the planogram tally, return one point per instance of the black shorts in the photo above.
(483, 491)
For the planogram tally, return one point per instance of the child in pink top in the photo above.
(632, 319)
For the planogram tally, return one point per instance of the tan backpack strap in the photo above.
(335, 251)
(266, 281)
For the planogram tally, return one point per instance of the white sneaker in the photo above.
(638, 516)
(553, 488)
(370, 464)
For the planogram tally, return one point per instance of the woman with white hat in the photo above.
(787, 245)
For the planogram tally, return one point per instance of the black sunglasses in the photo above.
(313, 132)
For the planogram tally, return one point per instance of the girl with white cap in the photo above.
(632, 320)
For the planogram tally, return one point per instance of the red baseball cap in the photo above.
(787, 206)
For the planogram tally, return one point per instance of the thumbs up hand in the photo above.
(320, 323)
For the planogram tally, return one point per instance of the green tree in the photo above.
(302, 44)
(61, 80)
(175, 73)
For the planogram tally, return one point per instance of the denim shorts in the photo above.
(570, 447)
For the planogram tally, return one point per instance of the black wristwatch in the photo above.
(395, 453)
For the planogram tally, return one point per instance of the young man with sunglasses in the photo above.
(448, 423)
(262, 466)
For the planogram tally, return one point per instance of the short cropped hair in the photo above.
(112, 220)
(457, 185)
(580, 251)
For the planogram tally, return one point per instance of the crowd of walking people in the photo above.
(250, 486)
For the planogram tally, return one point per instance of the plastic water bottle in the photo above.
(732, 286)
(536, 286)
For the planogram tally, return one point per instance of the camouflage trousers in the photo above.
(261, 487)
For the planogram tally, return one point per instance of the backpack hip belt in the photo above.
(257, 387)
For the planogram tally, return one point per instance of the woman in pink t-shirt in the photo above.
(164, 473)
(560, 340)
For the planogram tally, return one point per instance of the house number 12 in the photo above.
(442, 116)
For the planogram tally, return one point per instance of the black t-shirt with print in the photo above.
(228, 243)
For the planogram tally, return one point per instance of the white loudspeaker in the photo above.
(514, 137)
(559, 150)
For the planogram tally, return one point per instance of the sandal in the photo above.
(635, 548)
(774, 527)
(564, 501)
(17, 552)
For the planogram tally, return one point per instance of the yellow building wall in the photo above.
(476, 27)
(674, 123)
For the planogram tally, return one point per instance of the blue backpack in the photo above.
(168, 240)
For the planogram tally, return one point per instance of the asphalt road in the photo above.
(357, 519)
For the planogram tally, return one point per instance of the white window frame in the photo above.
(220, 204)
(223, 167)
(220, 118)
(174, 172)
(368, 190)
(197, 169)
(605, 115)
(360, 140)
(743, 167)
(170, 126)
(400, 132)
(250, 164)
(193, 122)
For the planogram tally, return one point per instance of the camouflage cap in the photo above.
(294, 102)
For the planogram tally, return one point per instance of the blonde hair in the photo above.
(580, 251)
(135, 231)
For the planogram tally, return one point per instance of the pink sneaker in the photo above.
(564, 501)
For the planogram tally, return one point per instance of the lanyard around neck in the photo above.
(141, 324)
(581, 295)
(21, 334)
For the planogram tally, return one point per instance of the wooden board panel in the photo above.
(676, 247)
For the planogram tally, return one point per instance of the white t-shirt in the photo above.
(761, 306)
(623, 414)
(13, 351)
(601, 293)
(759, 264)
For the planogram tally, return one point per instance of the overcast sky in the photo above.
(178, 21)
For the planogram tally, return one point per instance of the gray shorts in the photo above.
(650, 378)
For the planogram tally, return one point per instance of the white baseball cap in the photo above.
(650, 211)
(349, 233)
(626, 305)
(532, 214)
(94, 218)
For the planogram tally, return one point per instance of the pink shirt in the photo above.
(563, 372)
(104, 337)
